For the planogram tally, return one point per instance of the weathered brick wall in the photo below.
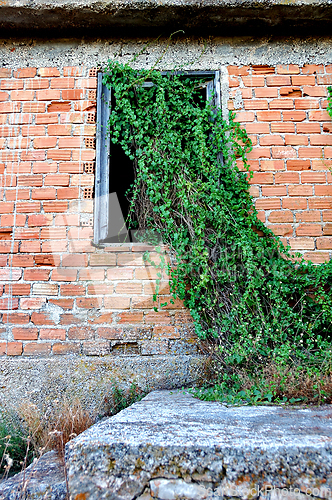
(283, 109)
(62, 295)
(59, 293)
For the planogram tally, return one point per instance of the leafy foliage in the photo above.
(251, 299)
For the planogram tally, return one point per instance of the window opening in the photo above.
(114, 171)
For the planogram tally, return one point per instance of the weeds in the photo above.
(274, 384)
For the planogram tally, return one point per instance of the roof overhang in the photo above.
(145, 17)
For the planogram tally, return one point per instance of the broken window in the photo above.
(114, 173)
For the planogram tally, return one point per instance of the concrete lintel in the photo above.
(145, 16)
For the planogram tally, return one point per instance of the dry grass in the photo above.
(54, 429)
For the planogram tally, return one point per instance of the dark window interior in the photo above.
(121, 178)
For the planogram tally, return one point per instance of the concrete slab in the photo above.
(194, 16)
(171, 445)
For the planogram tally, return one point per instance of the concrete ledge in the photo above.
(200, 16)
(90, 378)
(171, 446)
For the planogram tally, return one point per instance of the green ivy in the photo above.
(251, 297)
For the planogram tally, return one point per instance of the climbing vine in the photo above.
(251, 298)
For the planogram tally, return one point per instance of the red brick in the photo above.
(261, 178)
(306, 104)
(64, 303)
(257, 128)
(31, 130)
(88, 303)
(315, 92)
(309, 216)
(281, 104)
(288, 69)
(317, 257)
(9, 303)
(66, 348)
(100, 289)
(302, 243)
(266, 92)
(281, 216)
(52, 334)
(37, 84)
(294, 203)
(324, 79)
(320, 116)
(22, 261)
(310, 152)
(33, 107)
(15, 289)
(39, 318)
(40, 220)
(15, 319)
(312, 68)
(271, 140)
(268, 116)
(80, 333)
(72, 290)
(327, 230)
(72, 95)
(5, 72)
(55, 206)
(298, 164)
(30, 180)
(283, 152)
(324, 243)
(11, 348)
(54, 246)
(303, 80)
(321, 140)
(244, 116)
(47, 72)
(318, 203)
(327, 215)
(37, 349)
(296, 140)
(92, 274)
(11, 220)
(46, 118)
(323, 190)
(259, 152)
(64, 274)
(287, 178)
(29, 246)
(281, 229)
(36, 274)
(309, 230)
(301, 190)
(59, 130)
(253, 81)
(313, 177)
(43, 194)
(11, 84)
(62, 83)
(255, 104)
(274, 190)
(48, 95)
(130, 317)
(44, 142)
(308, 128)
(268, 204)
(47, 260)
(67, 193)
(59, 106)
(295, 116)
(32, 303)
(117, 302)
(277, 81)
(25, 333)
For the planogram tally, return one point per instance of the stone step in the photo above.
(171, 446)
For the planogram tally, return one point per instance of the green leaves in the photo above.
(243, 288)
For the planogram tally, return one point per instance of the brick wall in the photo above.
(58, 293)
(283, 109)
